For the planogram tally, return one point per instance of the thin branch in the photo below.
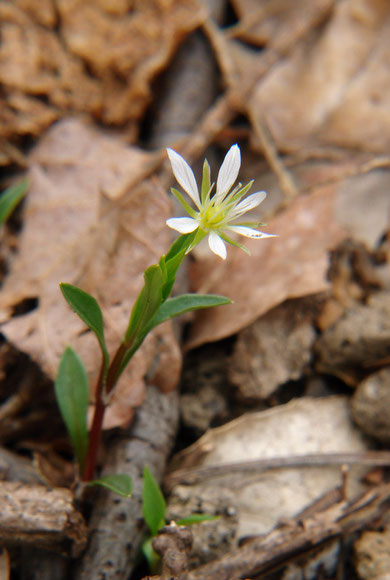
(194, 475)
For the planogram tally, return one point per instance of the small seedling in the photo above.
(10, 198)
(154, 512)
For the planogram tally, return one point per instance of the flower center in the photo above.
(212, 218)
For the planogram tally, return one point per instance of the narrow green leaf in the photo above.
(170, 308)
(119, 483)
(151, 556)
(147, 303)
(87, 308)
(72, 393)
(171, 267)
(199, 235)
(153, 503)
(185, 303)
(196, 519)
(164, 271)
(173, 259)
(10, 198)
(180, 245)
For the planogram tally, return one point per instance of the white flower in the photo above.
(214, 214)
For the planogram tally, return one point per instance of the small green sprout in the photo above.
(10, 198)
(154, 512)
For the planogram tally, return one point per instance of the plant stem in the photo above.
(94, 440)
(112, 374)
(102, 389)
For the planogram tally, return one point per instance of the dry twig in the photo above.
(262, 554)
(42, 517)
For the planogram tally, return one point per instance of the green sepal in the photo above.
(234, 243)
(196, 519)
(254, 225)
(206, 182)
(88, 309)
(119, 483)
(183, 202)
(146, 304)
(240, 193)
(153, 503)
(72, 394)
(10, 198)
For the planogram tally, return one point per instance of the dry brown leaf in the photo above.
(295, 264)
(93, 57)
(333, 89)
(272, 23)
(292, 265)
(73, 232)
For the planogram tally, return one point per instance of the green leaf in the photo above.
(170, 308)
(173, 259)
(147, 303)
(10, 198)
(151, 556)
(153, 503)
(199, 235)
(180, 245)
(185, 303)
(196, 519)
(72, 393)
(87, 308)
(119, 483)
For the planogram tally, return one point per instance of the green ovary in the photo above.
(212, 218)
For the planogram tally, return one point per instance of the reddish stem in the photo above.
(102, 389)
(112, 374)
(94, 440)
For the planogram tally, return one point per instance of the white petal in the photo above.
(184, 175)
(217, 245)
(248, 232)
(229, 171)
(248, 203)
(183, 225)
